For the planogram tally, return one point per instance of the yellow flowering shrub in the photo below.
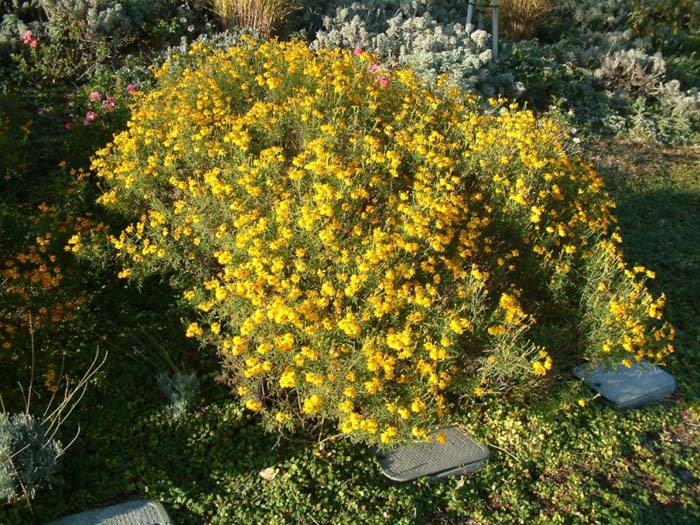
(359, 246)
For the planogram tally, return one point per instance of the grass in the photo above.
(658, 196)
(260, 15)
(519, 19)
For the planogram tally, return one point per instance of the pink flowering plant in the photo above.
(28, 39)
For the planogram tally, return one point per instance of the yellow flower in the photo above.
(354, 265)
(288, 378)
(540, 370)
(387, 435)
(253, 404)
(418, 433)
(282, 417)
(312, 404)
(194, 330)
(314, 378)
(456, 327)
(497, 330)
(418, 405)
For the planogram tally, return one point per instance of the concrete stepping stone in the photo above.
(137, 512)
(460, 454)
(624, 387)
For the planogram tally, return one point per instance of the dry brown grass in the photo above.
(519, 19)
(261, 15)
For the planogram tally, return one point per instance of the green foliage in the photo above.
(14, 130)
(597, 67)
(667, 22)
(376, 12)
(70, 38)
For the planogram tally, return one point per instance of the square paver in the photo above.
(638, 385)
(137, 512)
(460, 454)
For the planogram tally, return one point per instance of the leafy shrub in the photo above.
(361, 247)
(667, 22)
(594, 15)
(71, 37)
(7, 481)
(633, 71)
(598, 68)
(376, 12)
(263, 16)
(611, 81)
(15, 127)
(33, 296)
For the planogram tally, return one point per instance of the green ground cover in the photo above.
(589, 464)
(563, 456)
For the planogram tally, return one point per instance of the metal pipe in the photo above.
(495, 30)
(470, 12)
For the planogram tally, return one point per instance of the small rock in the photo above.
(686, 476)
(268, 474)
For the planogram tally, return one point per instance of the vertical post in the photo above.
(495, 30)
(470, 12)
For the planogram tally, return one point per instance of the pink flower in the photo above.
(383, 81)
(67, 125)
(131, 88)
(95, 95)
(109, 105)
(28, 39)
(90, 117)
(357, 52)
(373, 68)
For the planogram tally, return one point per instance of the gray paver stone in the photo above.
(632, 387)
(137, 512)
(460, 454)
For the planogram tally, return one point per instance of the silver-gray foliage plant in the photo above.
(181, 390)
(7, 480)
(28, 456)
(598, 45)
(114, 19)
(408, 34)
